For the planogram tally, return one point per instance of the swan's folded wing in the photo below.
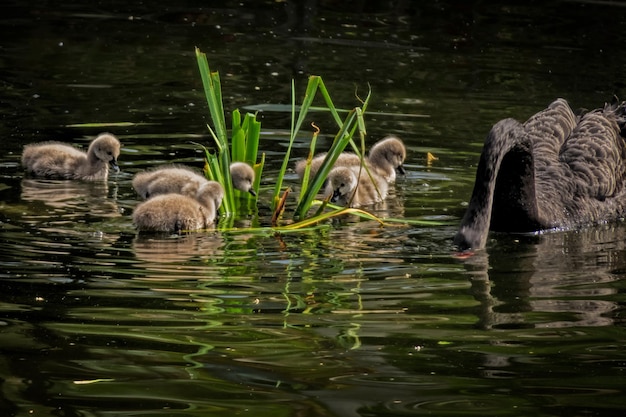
(548, 130)
(596, 154)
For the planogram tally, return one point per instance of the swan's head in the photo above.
(242, 175)
(341, 182)
(210, 194)
(390, 150)
(106, 147)
(468, 239)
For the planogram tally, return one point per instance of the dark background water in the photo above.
(347, 320)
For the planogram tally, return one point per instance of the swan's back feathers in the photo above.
(548, 130)
(596, 155)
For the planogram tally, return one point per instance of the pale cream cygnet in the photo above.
(344, 159)
(186, 181)
(176, 212)
(387, 156)
(384, 158)
(352, 186)
(242, 175)
(57, 160)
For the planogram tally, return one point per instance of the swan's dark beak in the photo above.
(114, 165)
(401, 169)
(251, 191)
(335, 196)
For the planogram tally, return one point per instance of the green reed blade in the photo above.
(329, 102)
(339, 144)
(227, 182)
(258, 170)
(244, 141)
(309, 95)
(216, 173)
(307, 170)
(353, 121)
(252, 143)
(304, 108)
(212, 92)
(245, 146)
(219, 166)
(213, 171)
(327, 215)
(238, 138)
(214, 136)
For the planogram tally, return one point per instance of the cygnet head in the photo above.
(211, 194)
(242, 175)
(390, 150)
(106, 147)
(341, 182)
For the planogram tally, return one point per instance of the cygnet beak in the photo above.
(113, 163)
(251, 191)
(401, 169)
(336, 194)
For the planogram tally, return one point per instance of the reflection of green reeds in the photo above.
(243, 147)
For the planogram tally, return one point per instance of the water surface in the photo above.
(350, 319)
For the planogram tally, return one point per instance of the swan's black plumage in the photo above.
(555, 170)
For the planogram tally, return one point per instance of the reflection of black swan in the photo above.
(556, 170)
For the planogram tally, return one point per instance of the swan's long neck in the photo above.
(503, 137)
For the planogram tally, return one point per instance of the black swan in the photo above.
(556, 170)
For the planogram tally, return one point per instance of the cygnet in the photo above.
(354, 187)
(58, 160)
(176, 212)
(242, 175)
(385, 157)
(186, 181)
(168, 179)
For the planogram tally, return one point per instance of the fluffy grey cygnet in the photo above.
(176, 212)
(57, 160)
(186, 181)
(168, 179)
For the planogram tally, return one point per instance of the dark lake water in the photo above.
(350, 319)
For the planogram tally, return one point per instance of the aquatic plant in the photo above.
(243, 145)
(347, 128)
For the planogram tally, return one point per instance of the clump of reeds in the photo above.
(244, 145)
